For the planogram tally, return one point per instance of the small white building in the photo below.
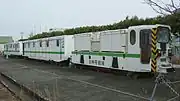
(56, 29)
(4, 40)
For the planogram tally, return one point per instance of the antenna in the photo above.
(22, 33)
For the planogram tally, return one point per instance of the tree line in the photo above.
(173, 20)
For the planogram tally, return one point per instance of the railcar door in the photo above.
(145, 46)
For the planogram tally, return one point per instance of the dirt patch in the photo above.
(5, 95)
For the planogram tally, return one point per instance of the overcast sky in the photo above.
(39, 15)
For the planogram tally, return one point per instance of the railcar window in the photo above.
(17, 45)
(28, 44)
(57, 43)
(133, 37)
(47, 43)
(33, 44)
(145, 37)
(40, 43)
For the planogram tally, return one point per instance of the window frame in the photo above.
(33, 44)
(57, 42)
(40, 43)
(142, 38)
(132, 42)
(47, 43)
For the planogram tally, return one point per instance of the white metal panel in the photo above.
(95, 41)
(25, 49)
(21, 48)
(68, 45)
(95, 36)
(118, 42)
(48, 50)
(2, 47)
(38, 49)
(82, 41)
(51, 47)
(105, 41)
(75, 59)
(41, 49)
(54, 48)
(113, 40)
(34, 49)
(95, 45)
(30, 49)
(15, 49)
(137, 65)
(134, 49)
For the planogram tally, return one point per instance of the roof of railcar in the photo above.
(148, 26)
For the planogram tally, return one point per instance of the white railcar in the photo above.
(136, 49)
(13, 49)
(175, 44)
(56, 49)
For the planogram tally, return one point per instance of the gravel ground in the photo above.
(5, 95)
(70, 84)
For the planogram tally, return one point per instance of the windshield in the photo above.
(163, 35)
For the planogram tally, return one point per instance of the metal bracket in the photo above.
(161, 79)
